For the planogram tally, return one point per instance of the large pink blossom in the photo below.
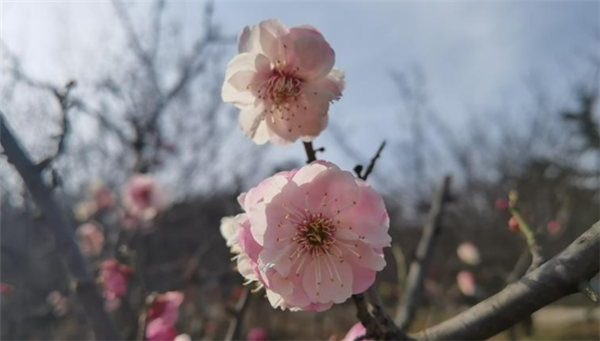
(142, 197)
(163, 315)
(282, 81)
(312, 237)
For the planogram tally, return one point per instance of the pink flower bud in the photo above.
(553, 227)
(501, 204)
(356, 331)
(468, 253)
(466, 283)
(513, 225)
(257, 334)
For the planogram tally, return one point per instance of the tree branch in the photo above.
(411, 296)
(235, 324)
(63, 231)
(311, 154)
(371, 165)
(557, 278)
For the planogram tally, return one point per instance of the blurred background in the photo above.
(499, 95)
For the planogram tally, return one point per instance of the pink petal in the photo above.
(270, 33)
(363, 279)
(323, 286)
(314, 56)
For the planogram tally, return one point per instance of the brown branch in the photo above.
(371, 165)
(557, 278)
(311, 154)
(369, 308)
(63, 231)
(411, 296)
(235, 324)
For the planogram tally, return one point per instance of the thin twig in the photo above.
(411, 296)
(371, 165)
(63, 231)
(235, 324)
(62, 96)
(311, 154)
(557, 278)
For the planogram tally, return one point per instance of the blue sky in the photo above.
(475, 55)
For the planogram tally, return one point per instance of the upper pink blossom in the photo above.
(468, 253)
(356, 331)
(114, 277)
(163, 315)
(282, 81)
(312, 237)
(142, 197)
(90, 239)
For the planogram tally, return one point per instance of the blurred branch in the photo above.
(411, 296)
(65, 104)
(557, 278)
(63, 231)
(235, 324)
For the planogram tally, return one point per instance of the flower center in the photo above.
(282, 86)
(315, 233)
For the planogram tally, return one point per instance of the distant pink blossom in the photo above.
(282, 81)
(142, 197)
(312, 237)
(163, 315)
(114, 277)
(468, 253)
(553, 227)
(102, 196)
(90, 239)
(58, 302)
(6, 289)
(257, 334)
(501, 204)
(466, 283)
(356, 331)
(513, 225)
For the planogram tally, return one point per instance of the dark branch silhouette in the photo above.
(86, 290)
(418, 268)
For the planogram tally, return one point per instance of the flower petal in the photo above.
(326, 279)
(314, 56)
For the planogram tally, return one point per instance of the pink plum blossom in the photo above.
(90, 239)
(102, 196)
(553, 227)
(312, 237)
(58, 302)
(6, 289)
(356, 331)
(114, 277)
(257, 334)
(282, 81)
(466, 283)
(163, 315)
(142, 197)
(468, 253)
